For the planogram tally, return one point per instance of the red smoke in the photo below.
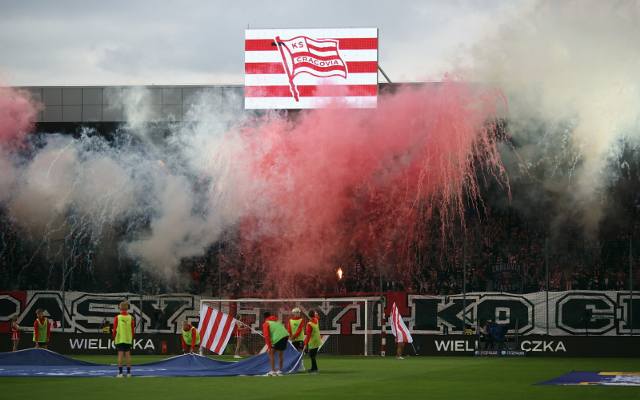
(17, 116)
(341, 183)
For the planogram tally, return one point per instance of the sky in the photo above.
(201, 42)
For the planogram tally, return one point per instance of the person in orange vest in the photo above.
(190, 338)
(313, 340)
(41, 330)
(295, 328)
(275, 338)
(123, 329)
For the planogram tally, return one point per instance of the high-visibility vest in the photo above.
(42, 331)
(186, 336)
(294, 324)
(123, 330)
(315, 341)
(277, 331)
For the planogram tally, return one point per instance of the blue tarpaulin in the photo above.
(46, 363)
(597, 378)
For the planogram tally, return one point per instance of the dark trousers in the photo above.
(312, 354)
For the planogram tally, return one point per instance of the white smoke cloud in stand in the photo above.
(571, 67)
(201, 190)
(176, 186)
(65, 177)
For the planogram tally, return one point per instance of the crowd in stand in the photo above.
(504, 256)
(500, 254)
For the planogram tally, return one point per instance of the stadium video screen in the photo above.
(311, 68)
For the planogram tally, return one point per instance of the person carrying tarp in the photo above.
(313, 340)
(295, 328)
(190, 338)
(275, 338)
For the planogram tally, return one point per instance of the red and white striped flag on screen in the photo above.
(315, 57)
(398, 328)
(215, 329)
(309, 68)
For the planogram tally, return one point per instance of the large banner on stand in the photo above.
(593, 313)
(581, 313)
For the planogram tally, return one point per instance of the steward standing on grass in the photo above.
(313, 340)
(400, 331)
(41, 330)
(241, 331)
(275, 338)
(123, 329)
(295, 327)
(15, 334)
(190, 338)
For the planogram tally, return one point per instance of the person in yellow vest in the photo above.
(313, 340)
(295, 328)
(275, 338)
(123, 329)
(41, 330)
(190, 338)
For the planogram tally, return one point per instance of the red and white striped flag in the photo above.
(398, 328)
(315, 57)
(215, 329)
(309, 68)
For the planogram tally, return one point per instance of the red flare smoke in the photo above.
(342, 182)
(17, 116)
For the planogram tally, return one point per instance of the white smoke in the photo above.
(64, 177)
(182, 184)
(7, 176)
(570, 65)
(201, 190)
(136, 104)
(43, 194)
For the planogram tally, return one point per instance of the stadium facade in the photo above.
(64, 108)
(102, 104)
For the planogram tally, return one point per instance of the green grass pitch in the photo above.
(350, 378)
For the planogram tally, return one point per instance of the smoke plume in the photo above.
(571, 73)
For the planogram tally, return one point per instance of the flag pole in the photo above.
(414, 349)
(294, 90)
(250, 327)
(384, 74)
